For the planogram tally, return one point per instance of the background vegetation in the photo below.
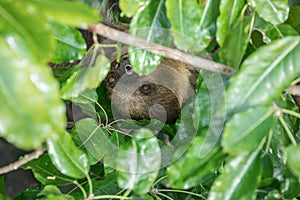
(243, 130)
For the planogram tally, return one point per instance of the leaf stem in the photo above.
(164, 195)
(286, 128)
(278, 31)
(182, 191)
(127, 193)
(122, 132)
(290, 112)
(90, 183)
(81, 188)
(268, 144)
(160, 179)
(116, 121)
(110, 197)
(99, 105)
(295, 81)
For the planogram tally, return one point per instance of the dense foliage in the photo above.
(237, 139)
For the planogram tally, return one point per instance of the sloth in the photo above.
(159, 95)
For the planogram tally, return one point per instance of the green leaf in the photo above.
(192, 23)
(117, 140)
(273, 195)
(86, 77)
(51, 192)
(190, 170)
(33, 111)
(264, 75)
(152, 25)
(138, 163)
(274, 11)
(239, 180)
(293, 158)
(19, 25)
(131, 7)
(67, 157)
(94, 138)
(208, 23)
(2, 197)
(290, 187)
(46, 173)
(86, 101)
(30, 193)
(207, 101)
(2, 185)
(245, 130)
(234, 50)
(208, 110)
(230, 10)
(70, 44)
(294, 18)
(106, 185)
(73, 13)
(280, 31)
(184, 17)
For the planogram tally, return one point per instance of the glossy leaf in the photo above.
(18, 24)
(273, 195)
(245, 130)
(138, 162)
(191, 170)
(86, 101)
(208, 98)
(234, 50)
(274, 11)
(290, 188)
(280, 31)
(184, 17)
(293, 159)
(93, 137)
(28, 90)
(264, 75)
(131, 7)
(230, 11)
(152, 25)
(51, 192)
(70, 45)
(208, 112)
(86, 78)
(73, 13)
(208, 23)
(239, 179)
(67, 157)
(46, 173)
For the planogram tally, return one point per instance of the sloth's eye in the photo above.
(146, 88)
(111, 80)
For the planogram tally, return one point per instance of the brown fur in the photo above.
(172, 83)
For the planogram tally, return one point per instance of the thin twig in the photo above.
(199, 63)
(27, 158)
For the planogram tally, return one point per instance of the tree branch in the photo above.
(27, 158)
(199, 63)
